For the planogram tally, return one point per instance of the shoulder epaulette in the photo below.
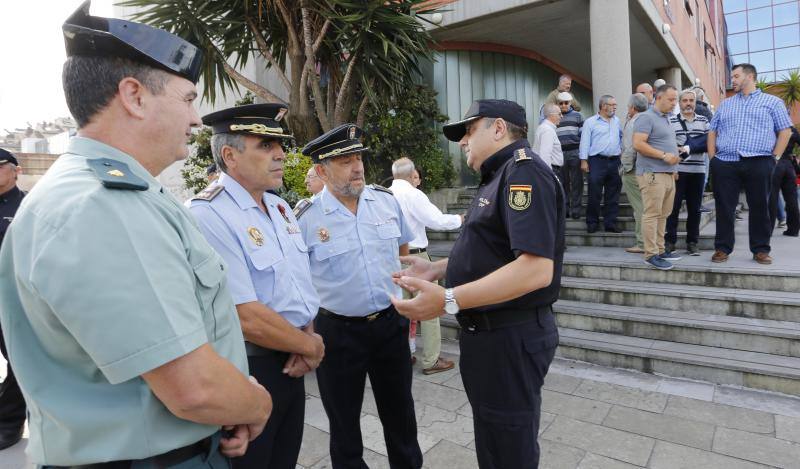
(116, 174)
(302, 207)
(378, 187)
(209, 193)
(521, 155)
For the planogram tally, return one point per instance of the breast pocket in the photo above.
(389, 230)
(210, 275)
(267, 263)
(332, 255)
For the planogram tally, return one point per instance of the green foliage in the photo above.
(405, 126)
(788, 89)
(194, 168)
(763, 85)
(295, 167)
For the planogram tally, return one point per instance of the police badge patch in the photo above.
(519, 196)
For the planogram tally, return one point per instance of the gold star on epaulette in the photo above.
(209, 193)
(520, 155)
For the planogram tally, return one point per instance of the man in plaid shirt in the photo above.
(748, 131)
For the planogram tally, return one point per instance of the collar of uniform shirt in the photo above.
(494, 162)
(91, 148)
(330, 203)
(240, 195)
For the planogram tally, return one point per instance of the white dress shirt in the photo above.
(421, 213)
(547, 145)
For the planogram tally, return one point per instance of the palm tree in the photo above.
(788, 89)
(333, 57)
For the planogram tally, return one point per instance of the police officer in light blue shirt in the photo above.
(257, 235)
(354, 234)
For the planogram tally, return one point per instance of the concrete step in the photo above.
(629, 223)
(759, 304)
(735, 333)
(718, 365)
(625, 239)
(706, 274)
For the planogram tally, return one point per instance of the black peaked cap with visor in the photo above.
(342, 140)
(261, 120)
(502, 108)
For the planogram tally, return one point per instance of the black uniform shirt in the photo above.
(9, 203)
(515, 211)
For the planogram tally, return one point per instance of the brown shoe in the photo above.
(762, 258)
(634, 250)
(719, 257)
(442, 364)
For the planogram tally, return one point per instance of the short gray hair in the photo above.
(605, 99)
(688, 91)
(403, 168)
(551, 109)
(218, 141)
(638, 102)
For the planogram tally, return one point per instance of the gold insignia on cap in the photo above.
(352, 134)
(519, 196)
(324, 235)
(256, 236)
(281, 113)
(257, 129)
(117, 173)
(521, 155)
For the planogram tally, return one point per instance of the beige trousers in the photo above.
(658, 194)
(431, 332)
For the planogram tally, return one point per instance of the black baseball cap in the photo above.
(7, 157)
(507, 110)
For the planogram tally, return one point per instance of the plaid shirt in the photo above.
(746, 125)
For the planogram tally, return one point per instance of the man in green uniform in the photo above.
(118, 320)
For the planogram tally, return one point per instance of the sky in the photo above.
(32, 53)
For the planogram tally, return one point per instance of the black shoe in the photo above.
(613, 229)
(669, 247)
(591, 228)
(576, 216)
(10, 436)
(787, 233)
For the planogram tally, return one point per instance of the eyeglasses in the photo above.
(560, 103)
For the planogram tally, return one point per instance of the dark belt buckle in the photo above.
(373, 316)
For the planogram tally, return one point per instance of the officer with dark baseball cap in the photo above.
(502, 297)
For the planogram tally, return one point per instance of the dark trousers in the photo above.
(689, 187)
(503, 372)
(12, 404)
(354, 350)
(604, 183)
(784, 180)
(754, 175)
(279, 444)
(572, 179)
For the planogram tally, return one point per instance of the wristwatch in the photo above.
(450, 303)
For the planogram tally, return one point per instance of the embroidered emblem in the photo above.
(256, 236)
(116, 173)
(519, 196)
(324, 235)
(520, 155)
(482, 202)
(281, 113)
(352, 134)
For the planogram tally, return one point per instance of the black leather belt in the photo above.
(254, 350)
(416, 250)
(168, 459)
(367, 318)
(480, 322)
(605, 157)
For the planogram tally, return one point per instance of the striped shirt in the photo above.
(696, 162)
(569, 133)
(746, 125)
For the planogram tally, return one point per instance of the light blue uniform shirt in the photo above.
(97, 287)
(266, 255)
(353, 256)
(599, 137)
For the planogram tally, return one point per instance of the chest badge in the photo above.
(482, 202)
(116, 173)
(291, 228)
(256, 236)
(324, 235)
(519, 196)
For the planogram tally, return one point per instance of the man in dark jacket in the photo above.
(784, 180)
(569, 134)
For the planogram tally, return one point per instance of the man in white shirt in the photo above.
(421, 213)
(546, 143)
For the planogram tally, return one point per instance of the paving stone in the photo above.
(622, 395)
(604, 374)
(315, 414)
(561, 383)
(446, 454)
(14, 457)
(576, 407)
(315, 446)
(372, 436)
(759, 400)
(373, 460)
(720, 414)
(465, 410)
(455, 382)
(554, 455)
(757, 448)
(593, 461)
(545, 421)
(661, 427)
(438, 396)
(687, 388)
(312, 387)
(604, 441)
(447, 425)
(671, 456)
(787, 428)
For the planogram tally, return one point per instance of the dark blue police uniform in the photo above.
(507, 348)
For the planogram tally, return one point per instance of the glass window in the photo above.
(755, 3)
(740, 59)
(787, 35)
(763, 61)
(769, 77)
(760, 40)
(737, 43)
(759, 19)
(734, 5)
(787, 58)
(786, 13)
(737, 22)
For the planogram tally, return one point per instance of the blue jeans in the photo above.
(604, 183)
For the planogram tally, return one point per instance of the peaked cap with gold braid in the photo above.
(261, 120)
